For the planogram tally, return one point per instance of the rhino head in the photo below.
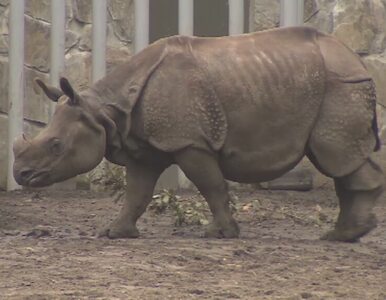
(73, 142)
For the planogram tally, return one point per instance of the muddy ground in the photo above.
(48, 250)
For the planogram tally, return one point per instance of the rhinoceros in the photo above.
(243, 108)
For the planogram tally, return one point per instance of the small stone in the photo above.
(306, 295)
(196, 292)
(39, 232)
(10, 232)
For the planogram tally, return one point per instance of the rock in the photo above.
(306, 295)
(72, 39)
(83, 10)
(40, 9)
(37, 37)
(122, 14)
(376, 64)
(4, 12)
(310, 8)
(4, 82)
(378, 12)
(10, 232)
(354, 24)
(319, 15)
(381, 116)
(4, 42)
(36, 104)
(3, 150)
(85, 43)
(37, 50)
(265, 14)
(78, 69)
(39, 232)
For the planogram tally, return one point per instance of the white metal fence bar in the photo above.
(16, 82)
(236, 17)
(291, 12)
(57, 43)
(99, 29)
(185, 17)
(141, 39)
(185, 27)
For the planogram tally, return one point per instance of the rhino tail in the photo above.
(374, 126)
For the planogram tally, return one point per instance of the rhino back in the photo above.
(257, 86)
(271, 86)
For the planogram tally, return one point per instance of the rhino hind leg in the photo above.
(203, 170)
(357, 193)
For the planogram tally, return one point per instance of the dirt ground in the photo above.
(49, 250)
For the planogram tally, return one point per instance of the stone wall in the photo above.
(77, 55)
(360, 24)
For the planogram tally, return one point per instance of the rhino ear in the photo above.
(69, 91)
(51, 92)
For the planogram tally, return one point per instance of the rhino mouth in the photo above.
(38, 179)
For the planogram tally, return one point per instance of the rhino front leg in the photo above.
(140, 181)
(203, 170)
(357, 193)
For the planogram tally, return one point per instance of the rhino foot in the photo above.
(115, 232)
(351, 234)
(229, 231)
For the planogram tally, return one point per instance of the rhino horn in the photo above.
(69, 91)
(51, 92)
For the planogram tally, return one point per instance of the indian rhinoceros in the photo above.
(245, 108)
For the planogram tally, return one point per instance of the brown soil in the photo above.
(48, 250)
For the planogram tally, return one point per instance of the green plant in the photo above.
(185, 212)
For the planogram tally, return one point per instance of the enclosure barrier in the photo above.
(16, 82)
(57, 44)
(291, 14)
(99, 31)
(185, 17)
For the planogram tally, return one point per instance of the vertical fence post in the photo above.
(185, 17)
(301, 12)
(99, 38)
(236, 17)
(141, 39)
(57, 43)
(291, 12)
(99, 30)
(185, 27)
(16, 82)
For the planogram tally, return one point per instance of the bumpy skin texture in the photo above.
(244, 108)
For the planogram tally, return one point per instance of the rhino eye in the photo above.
(56, 147)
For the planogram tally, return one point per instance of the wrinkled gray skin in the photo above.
(245, 108)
